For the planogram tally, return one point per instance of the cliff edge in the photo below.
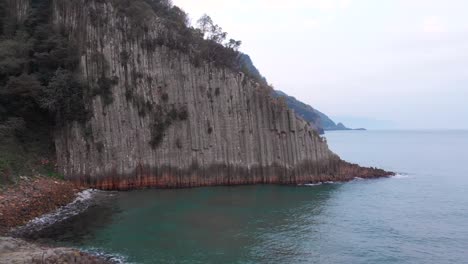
(161, 113)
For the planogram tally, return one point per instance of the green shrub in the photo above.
(64, 97)
(163, 118)
(48, 169)
(104, 89)
(158, 128)
(4, 165)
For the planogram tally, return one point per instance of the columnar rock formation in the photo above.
(18, 8)
(160, 119)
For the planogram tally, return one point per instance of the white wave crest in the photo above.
(312, 184)
(401, 176)
(318, 184)
(113, 258)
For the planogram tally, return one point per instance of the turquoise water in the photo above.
(420, 216)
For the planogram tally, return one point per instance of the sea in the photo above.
(418, 216)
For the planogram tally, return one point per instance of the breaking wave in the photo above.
(79, 205)
(318, 184)
(311, 184)
(113, 258)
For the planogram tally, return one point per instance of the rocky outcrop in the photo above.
(14, 250)
(161, 119)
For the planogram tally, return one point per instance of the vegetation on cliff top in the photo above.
(204, 42)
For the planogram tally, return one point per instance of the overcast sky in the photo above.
(369, 63)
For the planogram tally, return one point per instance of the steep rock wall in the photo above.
(224, 129)
(12, 13)
(18, 8)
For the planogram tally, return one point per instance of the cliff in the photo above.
(160, 118)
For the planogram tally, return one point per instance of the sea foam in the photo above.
(113, 258)
(312, 184)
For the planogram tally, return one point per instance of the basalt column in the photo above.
(159, 119)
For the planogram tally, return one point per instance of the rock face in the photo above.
(18, 8)
(159, 119)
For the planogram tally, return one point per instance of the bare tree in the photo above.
(205, 24)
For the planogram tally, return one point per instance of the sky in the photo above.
(380, 64)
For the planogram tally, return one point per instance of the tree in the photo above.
(204, 24)
(13, 58)
(233, 44)
(64, 96)
(10, 125)
(25, 85)
(159, 4)
(179, 17)
(217, 34)
(210, 30)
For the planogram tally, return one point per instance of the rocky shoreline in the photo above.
(219, 175)
(13, 250)
(27, 200)
(33, 197)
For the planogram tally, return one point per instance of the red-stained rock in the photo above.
(219, 175)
